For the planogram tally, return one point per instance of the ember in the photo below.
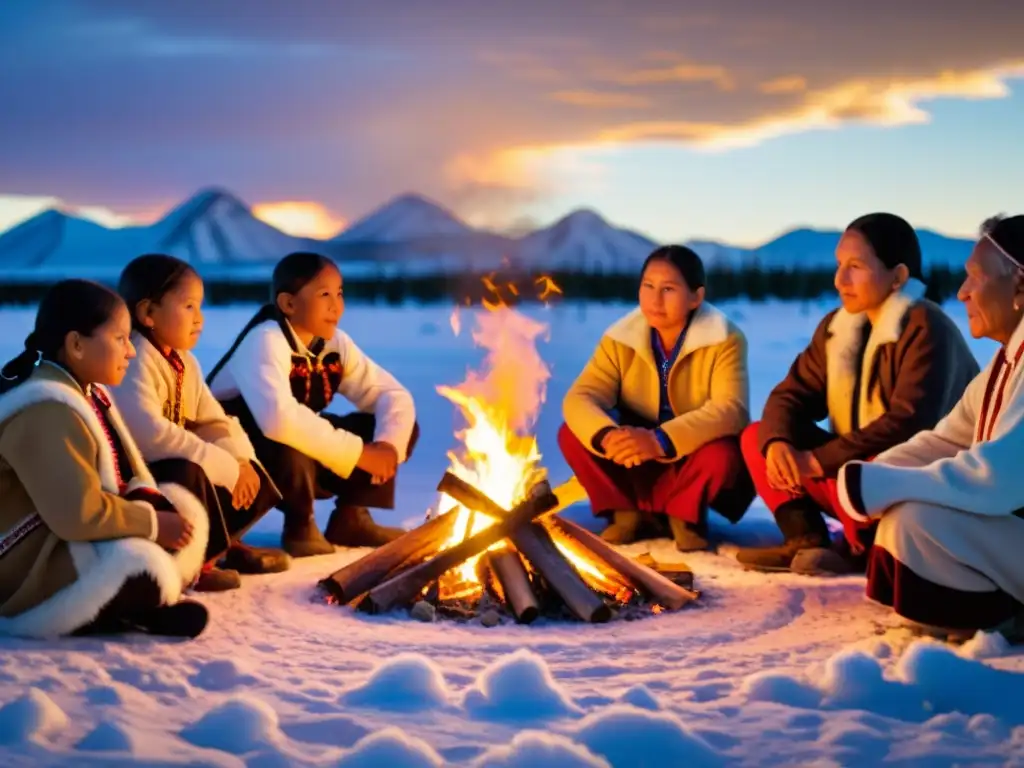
(499, 544)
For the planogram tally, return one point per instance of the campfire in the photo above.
(494, 542)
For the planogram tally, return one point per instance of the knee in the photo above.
(182, 472)
(906, 521)
(721, 456)
(289, 468)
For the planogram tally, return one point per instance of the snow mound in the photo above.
(221, 675)
(930, 678)
(780, 689)
(952, 683)
(107, 737)
(30, 716)
(636, 738)
(393, 748)
(536, 749)
(985, 645)
(239, 725)
(640, 696)
(406, 683)
(853, 680)
(518, 686)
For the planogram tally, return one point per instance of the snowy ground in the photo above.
(767, 670)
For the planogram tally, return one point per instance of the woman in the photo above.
(884, 366)
(949, 501)
(652, 422)
(88, 544)
(278, 377)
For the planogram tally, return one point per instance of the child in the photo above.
(281, 373)
(180, 427)
(652, 423)
(88, 544)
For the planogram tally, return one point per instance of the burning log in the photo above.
(657, 587)
(360, 576)
(511, 574)
(403, 587)
(535, 543)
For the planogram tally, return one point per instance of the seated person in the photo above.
(950, 502)
(181, 430)
(89, 545)
(884, 366)
(279, 376)
(652, 422)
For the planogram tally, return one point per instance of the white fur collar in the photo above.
(841, 352)
(52, 383)
(707, 328)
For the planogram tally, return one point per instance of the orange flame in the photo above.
(499, 453)
(548, 287)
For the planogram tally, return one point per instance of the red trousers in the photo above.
(821, 489)
(713, 475)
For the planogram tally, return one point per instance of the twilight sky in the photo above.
(731, 119)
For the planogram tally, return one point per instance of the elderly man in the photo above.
(948, 551)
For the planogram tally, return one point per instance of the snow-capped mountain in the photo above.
(215, 228)
(584, 241)
(408, 217)
(408, 236)
(60, 244)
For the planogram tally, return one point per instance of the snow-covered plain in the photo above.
(765, 670)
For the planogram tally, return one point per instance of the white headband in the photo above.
(1003, 251)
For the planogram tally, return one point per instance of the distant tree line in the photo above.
(512, 288)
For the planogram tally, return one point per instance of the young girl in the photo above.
(87, 543)
(181, 429)
(281, 373)
(653, 421)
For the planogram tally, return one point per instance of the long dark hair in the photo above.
(69, 306)
(291, 274)
(149, 278)
(683, 259)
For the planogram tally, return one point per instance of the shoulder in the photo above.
(48, 420)
(831, 318)
(192, 364)
(340, 341)
(266, 339)
(926, 319)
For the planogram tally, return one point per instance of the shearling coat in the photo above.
(708, 385)
(876, 392)
(180, 421)
(68, 541)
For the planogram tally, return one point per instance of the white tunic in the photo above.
(213, 440)
(259, 371)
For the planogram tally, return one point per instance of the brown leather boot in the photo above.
(355, 527)
(245, 559)
(623, 528)
(302, 538)
(217, 580)
(802, 526)
(689, 537)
